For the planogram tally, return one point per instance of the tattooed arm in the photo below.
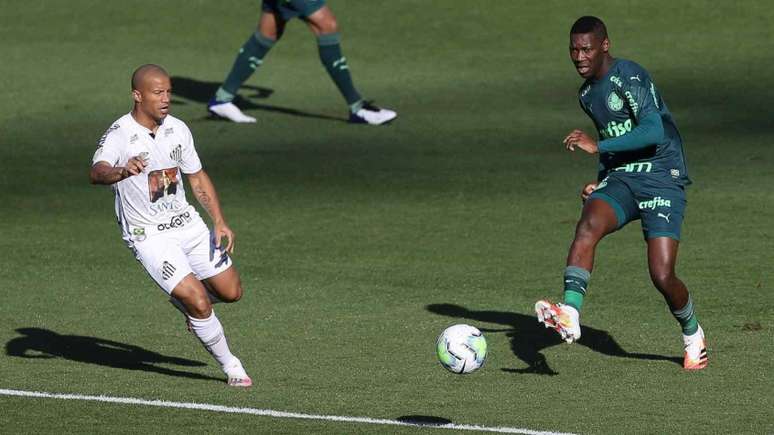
(105, 173)
(204, 191)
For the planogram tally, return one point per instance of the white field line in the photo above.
(268, 412)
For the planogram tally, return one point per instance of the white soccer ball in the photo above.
(461, 349)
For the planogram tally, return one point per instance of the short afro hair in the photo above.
(589, 24)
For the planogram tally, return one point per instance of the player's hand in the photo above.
(135, 165)
(588, 189)
(222, 231)
(579, 138)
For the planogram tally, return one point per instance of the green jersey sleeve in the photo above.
(643, 108)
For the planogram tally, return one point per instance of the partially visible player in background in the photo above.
(142, 156)
(274, 17)
(642, 176)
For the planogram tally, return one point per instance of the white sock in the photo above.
(210, 333)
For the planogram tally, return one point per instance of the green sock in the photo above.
(249, 58)
(330, 55)
(575, 283)
(687, 318)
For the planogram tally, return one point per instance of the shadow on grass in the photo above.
(201, 92)
(424, 420)
(37, 343)
(529, 338)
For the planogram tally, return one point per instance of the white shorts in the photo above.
(168, 257)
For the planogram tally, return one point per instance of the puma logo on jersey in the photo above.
(665, 216)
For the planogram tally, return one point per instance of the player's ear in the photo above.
(605, 45)
(136, 96)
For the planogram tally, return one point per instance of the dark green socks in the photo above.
(249, 58)
(336, 65)
(687, 318)
(575, 283)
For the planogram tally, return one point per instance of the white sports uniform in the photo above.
(166, 233)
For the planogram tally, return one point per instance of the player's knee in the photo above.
(269, 33)
(234, 294)
(329, 25)
(587, 233)
(662, 279)
(199, 307)
(324, 23)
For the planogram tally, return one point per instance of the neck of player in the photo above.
(146, 120)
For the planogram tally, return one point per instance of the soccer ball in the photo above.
(461, 349)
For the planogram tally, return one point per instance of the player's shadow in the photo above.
(201, 92)
(37, 343)
(528, 337)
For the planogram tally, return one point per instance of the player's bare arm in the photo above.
(580, 139)
(205, 193)
(105, 173)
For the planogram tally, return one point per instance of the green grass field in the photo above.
(358, 245)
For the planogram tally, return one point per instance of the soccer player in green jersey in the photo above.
(642, 175)
(320, 19)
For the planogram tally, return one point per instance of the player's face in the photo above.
(155, 96)
(587, 52)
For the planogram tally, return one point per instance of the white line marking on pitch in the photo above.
(268, 412)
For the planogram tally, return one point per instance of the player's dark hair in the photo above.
(138, 74)
(589, 24)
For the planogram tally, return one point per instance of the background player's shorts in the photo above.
(169, 256)
(289, 9)
(659, 203)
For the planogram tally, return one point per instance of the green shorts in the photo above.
(289, 9)
(659, 203)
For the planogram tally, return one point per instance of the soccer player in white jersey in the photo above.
(143, 156)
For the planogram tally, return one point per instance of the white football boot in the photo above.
(229, 111)
(695, 351)
(371, 114)
(563, 318)
(237, 376)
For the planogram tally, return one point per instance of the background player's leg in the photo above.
(323, 24)
(207, 328)
(250, 57)
(662, 257)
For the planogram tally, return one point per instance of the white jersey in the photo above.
(154, 200)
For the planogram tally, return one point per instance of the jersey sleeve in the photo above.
(109, 147)
(643, 104)
(189, 163)
(640, 93)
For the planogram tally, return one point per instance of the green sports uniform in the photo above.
(642, 172)
(289, 9)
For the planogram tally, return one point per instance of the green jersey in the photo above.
(617, 104)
